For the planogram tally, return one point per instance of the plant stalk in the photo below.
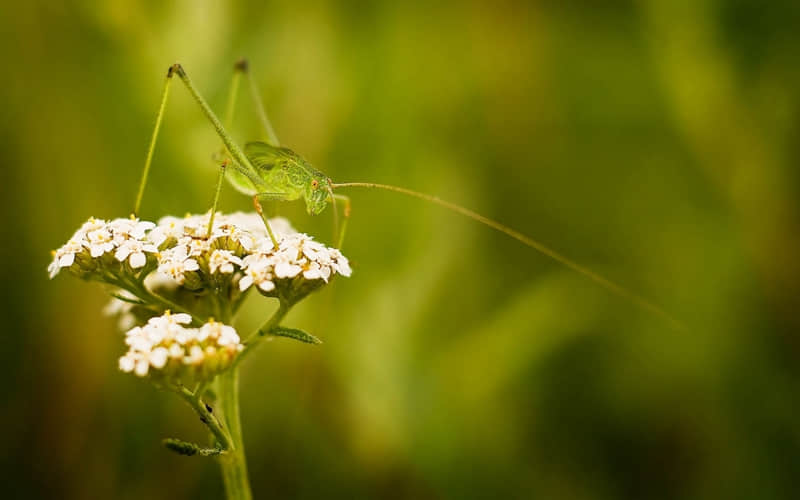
(233, 463)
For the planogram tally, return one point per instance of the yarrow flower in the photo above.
(243, 229)
(178, 261)
(298, 266)
(239, 251)
(65, 256)
(166, 348)
(88, 250)
(222, 261)
(189, 252)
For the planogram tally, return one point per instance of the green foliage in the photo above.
(189, 449)
(294, 333)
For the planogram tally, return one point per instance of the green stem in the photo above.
(211, 421)
(233, 463)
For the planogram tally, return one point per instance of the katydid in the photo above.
(268, 171)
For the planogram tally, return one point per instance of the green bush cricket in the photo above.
(267, 171)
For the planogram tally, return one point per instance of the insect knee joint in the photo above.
(175, 68)
(257, 205)
(241, 65)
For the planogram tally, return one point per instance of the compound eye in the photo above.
(314, 184)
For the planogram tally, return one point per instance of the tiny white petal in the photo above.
(122, 253)
(287, 270)
(175, 351)
(182, 318)
(266, 286)
(66, 260)
(312, 274)
(158, 358)
(195, 356)
(142, 367)
(245, 283)
(126, 364)
(138, 260)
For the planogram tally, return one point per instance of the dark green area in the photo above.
(653, 141)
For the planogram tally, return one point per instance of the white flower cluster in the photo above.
(187, 244)
(179, 264)
(166, 347)
(243, 228)
(240, 242)
(125, 239)
(297, 255)
(237, 249)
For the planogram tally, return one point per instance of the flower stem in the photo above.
(223, 438)
(233, 463)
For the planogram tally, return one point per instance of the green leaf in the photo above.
(294, 333)
(189, 449)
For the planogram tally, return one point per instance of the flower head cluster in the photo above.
(238, 251)
(120, 242)
(298, 265)
(191, 256)
(180, 264)
(236, 254)
(166, 348)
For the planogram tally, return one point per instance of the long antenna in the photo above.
(539, 247)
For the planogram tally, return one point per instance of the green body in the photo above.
(281, 174)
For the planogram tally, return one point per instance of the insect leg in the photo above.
(230, 105)
(148, 161)
(272, 196)
(346, 217)
(240, 161)
(260, 210)
(272, 138)
(220, 178)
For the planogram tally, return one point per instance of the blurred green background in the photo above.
(654, 141)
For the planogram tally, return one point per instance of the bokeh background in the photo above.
(654, 141)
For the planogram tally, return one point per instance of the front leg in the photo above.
(216, 197)
(345, 214)
(260, 210)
